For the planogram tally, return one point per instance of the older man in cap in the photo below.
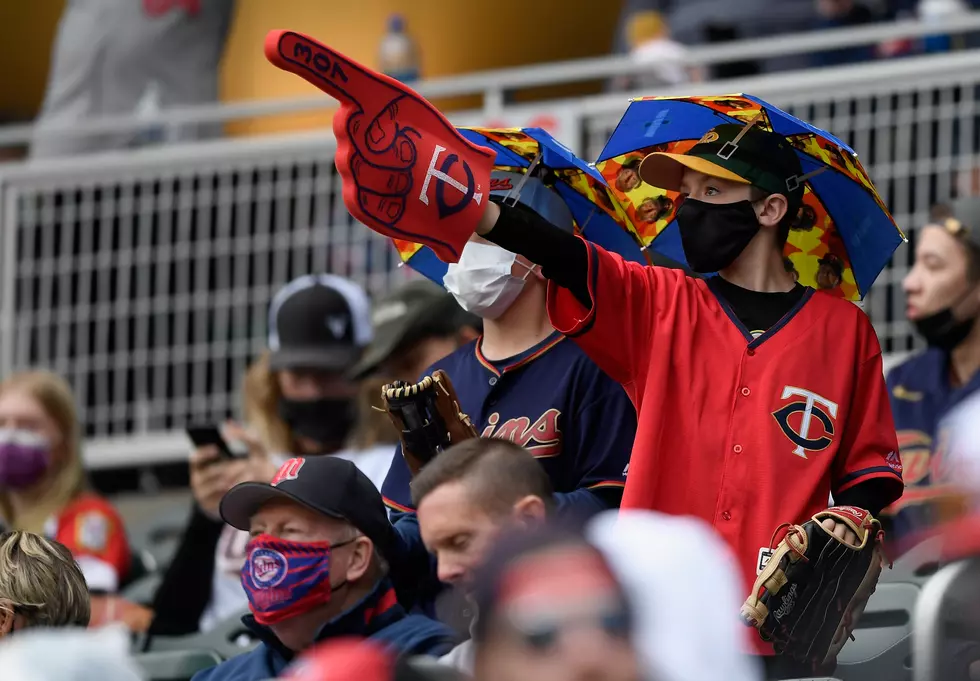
(317, 568)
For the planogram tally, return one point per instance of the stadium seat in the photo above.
(228, 639)
(432, 670)
(176, 665)
(881, 649)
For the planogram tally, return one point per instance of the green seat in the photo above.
(176, 665)
(228, 639)
(430, 668)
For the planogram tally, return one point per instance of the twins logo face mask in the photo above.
(481, 282)
(285, 578)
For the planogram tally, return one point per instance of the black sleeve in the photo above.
(185, 590)
(562, 256)
(872, 495)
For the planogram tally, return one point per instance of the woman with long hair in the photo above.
(43, 488)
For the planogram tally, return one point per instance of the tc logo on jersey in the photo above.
(813, 430)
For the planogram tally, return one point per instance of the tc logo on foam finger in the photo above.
(443, 178)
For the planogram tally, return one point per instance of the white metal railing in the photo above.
(495, 85)
(144, 276)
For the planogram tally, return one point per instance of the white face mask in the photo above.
(481, 281)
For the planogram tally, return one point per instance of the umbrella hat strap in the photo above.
(729, 148)
(793, 183)
(516, 191)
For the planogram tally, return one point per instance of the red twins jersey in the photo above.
(746, 433)
(90, 527)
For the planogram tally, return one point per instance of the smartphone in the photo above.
(210, 435)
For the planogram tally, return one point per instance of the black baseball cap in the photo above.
(739, 153)
(325, 484)
(319, 322)
(415, 311)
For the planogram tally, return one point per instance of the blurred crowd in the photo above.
(100, 64)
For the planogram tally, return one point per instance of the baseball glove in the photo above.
(809, 596)
(427, 417)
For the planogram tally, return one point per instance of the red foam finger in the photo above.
(407, 172)
(332, 72)
(386, 209)
(382, 139)
(380, 180)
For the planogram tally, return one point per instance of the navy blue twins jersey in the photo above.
(553, 401)
(921, 396)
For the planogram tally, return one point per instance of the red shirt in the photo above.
(90, 527)
(744, 433)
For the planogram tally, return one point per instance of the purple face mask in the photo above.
(24, 458)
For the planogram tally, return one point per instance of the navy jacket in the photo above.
(921, 398)
(378, 617)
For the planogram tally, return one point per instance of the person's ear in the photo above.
(771, 210)
(361, 551)
(529, 511)
(6, 616)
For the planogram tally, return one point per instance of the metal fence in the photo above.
(144, 277)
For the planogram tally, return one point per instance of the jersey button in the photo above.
(493, 380)
(746, 392)
(737, 449)
(726, 515)
(750, 352)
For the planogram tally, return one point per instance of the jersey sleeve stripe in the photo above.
(607, 483)
(854, 478)
(395, 506)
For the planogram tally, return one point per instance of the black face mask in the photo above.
(714, 234)
(327, 420)
(942, 330)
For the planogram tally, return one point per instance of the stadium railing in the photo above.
(144, 276)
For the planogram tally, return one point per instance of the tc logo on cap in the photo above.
(288, 471)
(268, 567)
(710, 136)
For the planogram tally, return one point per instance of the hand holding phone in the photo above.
(210, 436)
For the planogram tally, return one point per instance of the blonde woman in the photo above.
(42, 483)
(41, 585)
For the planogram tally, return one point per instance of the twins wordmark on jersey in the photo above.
(553, 401)
(542, 437)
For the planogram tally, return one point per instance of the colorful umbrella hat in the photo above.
(843, 234)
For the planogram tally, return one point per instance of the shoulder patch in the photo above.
(92, 531)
